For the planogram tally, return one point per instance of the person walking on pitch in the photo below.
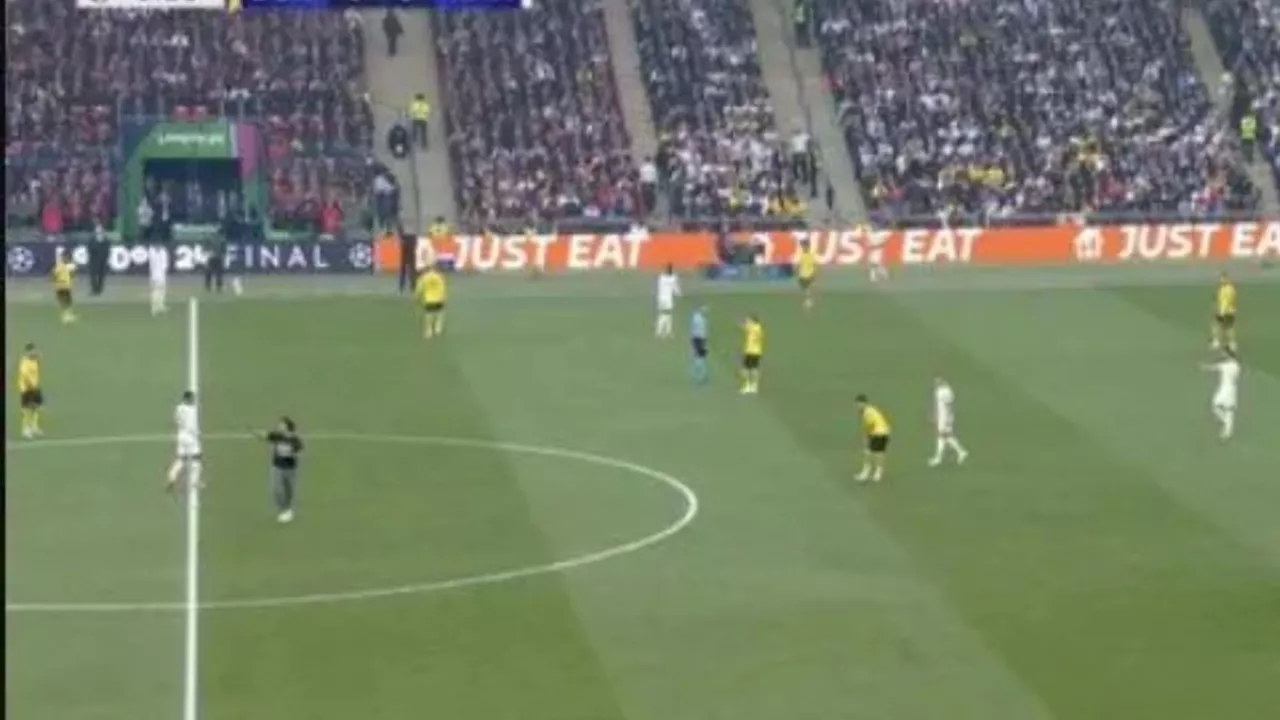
(286, 446)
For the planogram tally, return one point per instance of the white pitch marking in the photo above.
(687, 517)
(191, 645)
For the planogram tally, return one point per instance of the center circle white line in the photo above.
(578, 561)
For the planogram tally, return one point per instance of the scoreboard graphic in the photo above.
(251, 5)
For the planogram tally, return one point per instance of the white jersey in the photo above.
(187, 422)
(944, 408)
(1228, 383)
(159, 266)
(668, 291)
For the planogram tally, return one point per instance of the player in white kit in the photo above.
(668, 291)
(186, 420)
(944, 418)
(159, 266)
(1228, 392)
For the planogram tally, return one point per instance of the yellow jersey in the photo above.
(28, 374)
(807, 265)
(753, 339)
(62, 274)
(431, 288)
(1226, 299)
(874, 423)
(438, 231)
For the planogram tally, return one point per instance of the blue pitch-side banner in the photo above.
(32, 259)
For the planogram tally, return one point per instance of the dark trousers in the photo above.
(800, 167)
(802, 33)
(393, 41)
(214, 269)
(649, 196)
(98, 253)
(284, 487)
(420, 133)
(408, 266)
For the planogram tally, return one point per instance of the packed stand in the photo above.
(72, 75)
(534, 125)
(720, 152)
(987, 108)
(1248, 36)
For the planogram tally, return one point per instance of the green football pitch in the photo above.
(539, 516)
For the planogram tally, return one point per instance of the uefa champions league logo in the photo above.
(360, 256)
(20, 260)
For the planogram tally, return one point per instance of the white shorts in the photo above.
(1225, 400)
(665, 308)
(159, 281)
(188, 447)
(946, 426)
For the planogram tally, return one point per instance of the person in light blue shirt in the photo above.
(698, 331)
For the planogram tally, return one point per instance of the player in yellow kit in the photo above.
(433, 291)
(63, 275)
(807, 272)
(752, 354)
(29, 392)
(1224, 319)
(876, 428)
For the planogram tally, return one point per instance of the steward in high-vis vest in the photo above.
(1249, 134)
(419, 113)
(800, 16)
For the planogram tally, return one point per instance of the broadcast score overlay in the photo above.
(251, 5)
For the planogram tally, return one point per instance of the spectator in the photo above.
(392, 29)
(534, 125)
(989, 108)
(72, 75)
(719, 149)
(1247, 33)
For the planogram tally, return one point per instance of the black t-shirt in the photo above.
(285, 449)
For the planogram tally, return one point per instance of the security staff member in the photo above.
(99, 252)
(215, 257)
(408, 260)
(1249, 133)
(800, 18)
(419, 113)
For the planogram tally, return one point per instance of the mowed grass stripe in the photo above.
(1114, 595)
(783, 548)
(1192, 310)
(366, 369)
(1134, 383)
(90, 524)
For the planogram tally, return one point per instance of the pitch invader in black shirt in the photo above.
(286, 447)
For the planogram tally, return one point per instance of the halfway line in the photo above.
(191, 601)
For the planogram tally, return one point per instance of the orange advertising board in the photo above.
(1066, 244)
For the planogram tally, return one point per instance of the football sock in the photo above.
(954, 443)
(26, 421)
(940, 448)
(1228, 422)
(700, 369)
(439, 325)
(175, 470)
(34, 421)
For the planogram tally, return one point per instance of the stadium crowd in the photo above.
(720, 149)
(71, 77)
(989, 107)
(531, 111)
(1248, 37)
